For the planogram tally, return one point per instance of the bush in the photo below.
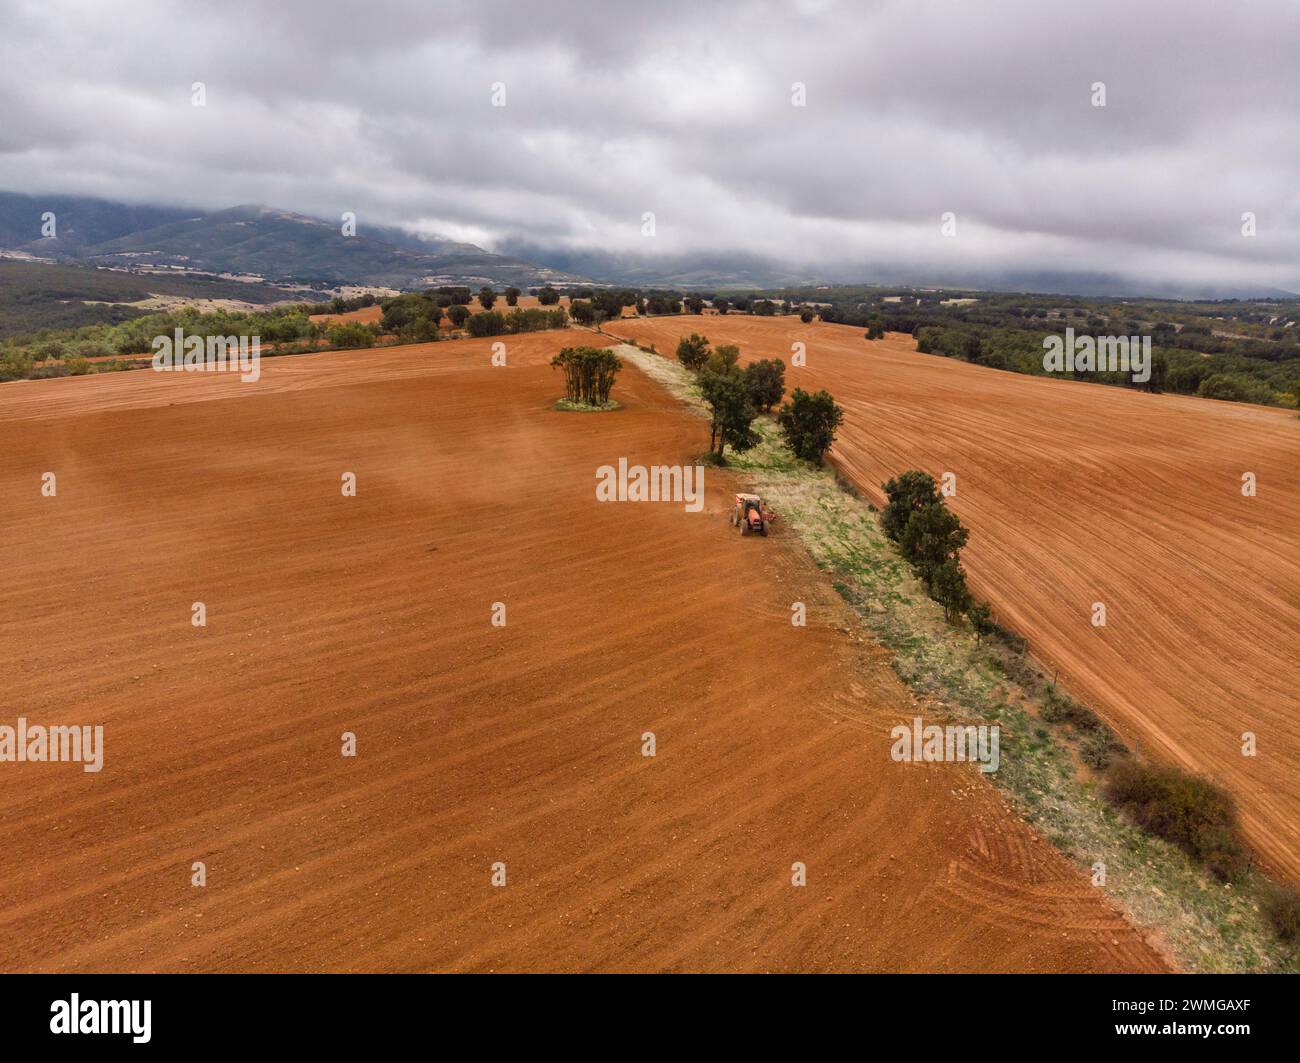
(1098, 750)
(981, 620)
(1181, 808)
(808, 423)
(1281, 908)
(352, 334)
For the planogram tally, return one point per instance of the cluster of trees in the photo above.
(589, 374)
(736, 396)
(340, 305)
(1242, 351)
(930, 537)
(415, 317)
(731, 408)
(533, 319)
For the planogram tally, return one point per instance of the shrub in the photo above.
(1098, 750)
(352, 334)
(981, 620)
(1189, 811)
(458, 314)
(1281, 908)
(808, 423)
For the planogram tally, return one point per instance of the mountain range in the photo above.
(275, 245)
(286, 248)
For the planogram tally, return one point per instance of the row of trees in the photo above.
(736, 396)
(532, 319)
(931, 537)
(589, 374)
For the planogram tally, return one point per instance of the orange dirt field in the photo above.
(475, 744)
(1077, 493)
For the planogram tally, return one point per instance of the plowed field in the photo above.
(475, 744)
(1077, 494)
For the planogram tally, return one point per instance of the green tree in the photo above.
(723, 359)
(906, 494)
(809, 422)
(765, 380)
(512, 296)
(731, 411)
(458, 315)
(548, 296)
(981, 619)
(693, 351)
(933, 536)
(948, 587)
(806, 315)
(488, 323)
(486, 298)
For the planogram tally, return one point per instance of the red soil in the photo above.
(476, 744)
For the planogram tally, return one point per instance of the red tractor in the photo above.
(751, 515)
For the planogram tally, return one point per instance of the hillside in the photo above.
(275, 245)
(44, 295)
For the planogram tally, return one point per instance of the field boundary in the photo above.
(1203, 924)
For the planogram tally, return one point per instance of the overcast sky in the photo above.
(685, 110)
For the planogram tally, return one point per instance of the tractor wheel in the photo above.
(744, 527)
(763, 529)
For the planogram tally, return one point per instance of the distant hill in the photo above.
(41, 295)
(277, 245)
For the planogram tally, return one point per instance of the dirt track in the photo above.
(476, 744)
(1076, 494)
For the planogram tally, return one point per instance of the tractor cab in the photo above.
(750, 515)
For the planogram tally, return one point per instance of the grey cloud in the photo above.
(684, 109)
